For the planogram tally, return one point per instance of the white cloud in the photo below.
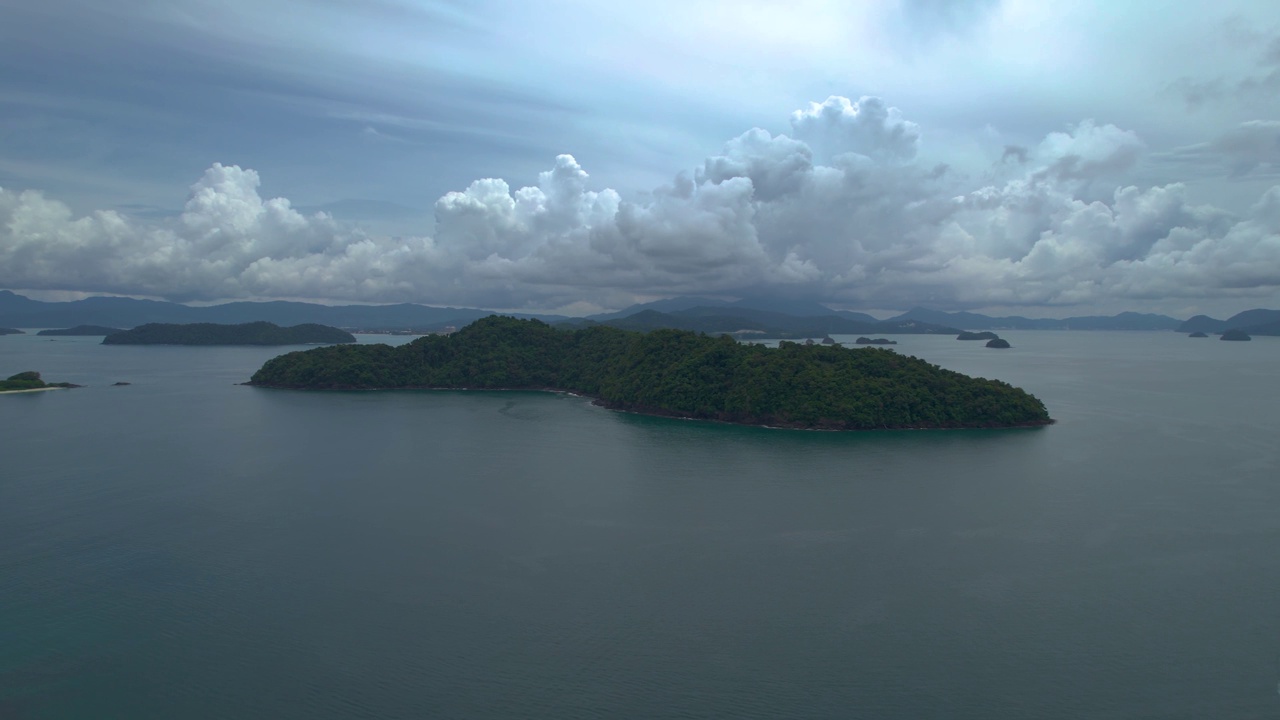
(867, 127)
(838, 211)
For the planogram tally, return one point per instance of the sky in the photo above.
(1049, 159)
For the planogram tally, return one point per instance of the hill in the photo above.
(29, 380)
(674, 372)
(82, 330)
(10, 331)
(1264, 329)
(256, 333)
(1254, 322)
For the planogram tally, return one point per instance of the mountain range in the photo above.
(1253, 322)
(19, 311)
(772, 317)
(743, 321)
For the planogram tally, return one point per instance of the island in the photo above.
(998, 343)
(874, 341)
(1235, 334)
(28, 381)
(985, 335)
(11, 331)
(675, 373)
(1198, 334)
(81, 331)
(254, 333)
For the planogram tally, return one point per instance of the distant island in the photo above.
(254, 333)
(1198, 334)
(82, 330)
(1237, 335)
(987, 335)
(11, 331)
(874, 341)
(29, 380)
(673, 373)
(998, 343)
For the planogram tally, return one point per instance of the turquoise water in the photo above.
(185, 547)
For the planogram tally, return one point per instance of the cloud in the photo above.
(867, 127)
(838, 210)
(1016, 153)
(1252, 148)
(1089, 151)
(1260, 85)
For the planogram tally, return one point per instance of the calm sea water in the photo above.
(185, 547)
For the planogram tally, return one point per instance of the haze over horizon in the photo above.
(1008, 157)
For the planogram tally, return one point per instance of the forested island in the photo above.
(986, 335)
(29, 380)
(254, 333)
(674, 373)
(1237, 335)
(874, 341)
(998, 343)
(81, 331)
(10, 331)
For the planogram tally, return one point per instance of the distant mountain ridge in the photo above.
(739, 320)
(680, 306)
(708, 314)
(1253, 322)
(19, 311)
(794, 308)
(975, 321)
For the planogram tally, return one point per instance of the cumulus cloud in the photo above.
(1089, 151)
(837, 210)
(867, 127)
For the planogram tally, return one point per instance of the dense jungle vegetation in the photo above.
(254, 333)
(673, 372)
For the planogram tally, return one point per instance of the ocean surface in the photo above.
(186, 547)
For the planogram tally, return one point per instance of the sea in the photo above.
(189, 547)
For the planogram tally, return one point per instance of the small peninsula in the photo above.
(81, 331)
(985, 335)
(11, 331)
(254, 333)
(998, 343)
(874, 341)
(28, 381)
(673, 373)
(1234, 334)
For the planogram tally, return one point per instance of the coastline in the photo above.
(31, 390)
(658, 412)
